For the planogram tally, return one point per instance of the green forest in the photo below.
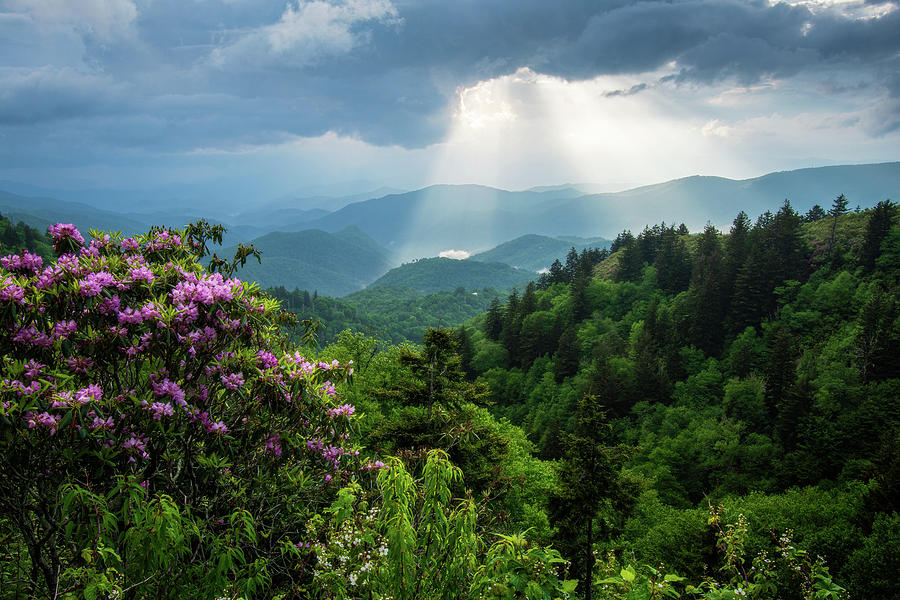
(685, 415)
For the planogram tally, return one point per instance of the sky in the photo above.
(273, 98)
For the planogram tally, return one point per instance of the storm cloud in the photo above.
(171, 76)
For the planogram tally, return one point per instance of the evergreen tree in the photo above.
(567, 359)
(877, 229)
(587, 477)
(529, 301)
(580, 306)
(672, 262)
(512, 326)
(780, 370)
(438, 378)
(816, 213)
(493, 320)
(708, 293)
(877, 344)
(838, 208)
(466, 352)
(793, 407)
(571, 268)
(626, 238)
(630, 262)
(556, 274)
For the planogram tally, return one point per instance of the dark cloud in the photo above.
(206, 73)
(635, 89)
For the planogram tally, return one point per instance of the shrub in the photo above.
(157, 435)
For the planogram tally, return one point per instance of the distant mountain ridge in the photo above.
(478, 218)
(334, 264)
(536, 252)
(475, 218)
(430, 275)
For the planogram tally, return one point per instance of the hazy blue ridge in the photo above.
(334, 264)
(536, 252)
(476, 218)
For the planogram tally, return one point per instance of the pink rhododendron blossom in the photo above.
(129, 245)
(142, 274)
(24, 262)
(266, 360)
(64, 329)
(89, 394)
(161, 409)
(233, 381)
(62, 231)
(44, 419)
(344, 410)
(217, 428)
(273, 444)
(80, 364)
(10, 291)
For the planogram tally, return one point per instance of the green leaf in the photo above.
(627, 574)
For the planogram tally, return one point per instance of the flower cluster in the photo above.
(144, 344)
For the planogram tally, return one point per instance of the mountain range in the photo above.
(537, 252)
(333, 264)
(475, 218)
(339, 245)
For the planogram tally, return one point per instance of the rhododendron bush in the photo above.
(158, 437)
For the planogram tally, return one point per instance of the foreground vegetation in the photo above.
(700, 416)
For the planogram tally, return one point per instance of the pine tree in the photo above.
(567, 359)
(816, 213)
(587, 476)
(438, 378)
(571, 268)
(529, 301)
(672, 262)
(780, 370)
(466, 352)
(838, 208)
(580, 306)
(707, 293)
(493, 320)
(556, 274)
(630, 262)
(877, 229)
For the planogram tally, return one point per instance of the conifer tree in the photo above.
(529, 301)
(493, 321)
(838, 208)
(571, 268)
(877, 229)
(556, 273)
(587, 477)
(567, 359)
(708, 293)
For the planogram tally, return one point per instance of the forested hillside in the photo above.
(759, 369)
(17, 237)
(333, 264)
(428, 275)
(707, 415)
(536, 252)
(387, 313)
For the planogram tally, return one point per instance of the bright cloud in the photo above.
(455, 254)
(308, 32)
(104, 19)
